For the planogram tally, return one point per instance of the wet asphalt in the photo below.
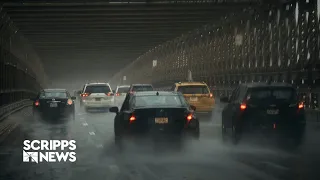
(99, 158)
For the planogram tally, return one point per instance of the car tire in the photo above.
(223, 133)
(73, 116)
(196, 134)
(235, 136)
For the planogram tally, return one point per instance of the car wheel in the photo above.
(73, 116)
(196, 134)
(235, 135)
(224, 133)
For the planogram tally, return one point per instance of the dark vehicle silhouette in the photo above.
(267, 108)
(54, 103)
(157, 114)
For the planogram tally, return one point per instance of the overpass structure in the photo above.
(275, 39)
(22, 73)
(222, 42)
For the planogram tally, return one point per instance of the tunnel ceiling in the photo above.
(108, 33)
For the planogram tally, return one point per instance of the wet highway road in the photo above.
(98, 158)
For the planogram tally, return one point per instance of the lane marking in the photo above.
(114, 168)
(81, 118)
(92, 133)
(85, 124)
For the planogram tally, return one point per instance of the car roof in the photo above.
(123, 86)
(141, 84)
(190, 83)
(151, 93)
(58, 90)
(107, 84)
(273, 84)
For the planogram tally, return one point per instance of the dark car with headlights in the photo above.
(266, 108)
(157, 114)
(54, 103)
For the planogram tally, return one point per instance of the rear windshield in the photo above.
(123, 89)
(278, 93)
(97, 89)
(142, 88)
(50, 94)
(162, 100)
(193, 89)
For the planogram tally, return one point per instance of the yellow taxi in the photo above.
(197, 94)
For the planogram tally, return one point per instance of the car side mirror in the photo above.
(224, 99)
(193, 107)
(73, 98)
(114, 109)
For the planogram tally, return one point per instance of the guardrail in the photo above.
(13, 107)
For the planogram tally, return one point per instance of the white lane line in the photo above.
(114, 168)
(85, 124)
(92, 133)
(81, 114)
(81, 118)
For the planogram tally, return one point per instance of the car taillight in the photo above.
(243, 106)
(37, 103)
(69, 102)
(85, 94)
(132, 118)
(109, 94)
(211, 95)
(301, 106)
(117, 94)
(189, 117)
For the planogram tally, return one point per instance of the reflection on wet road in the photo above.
(98, 158)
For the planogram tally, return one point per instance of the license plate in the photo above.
(273, 111)
(98, 99)
(53, 105)
(193, 98)
(161, 120)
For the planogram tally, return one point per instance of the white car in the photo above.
(97, 95)
(120, 95)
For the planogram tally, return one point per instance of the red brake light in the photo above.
(243, 106)
(109, 94)
(301, 106)
(132, 118)
(37, 103)
(69, 102)
(117, 94)
(211, 95)
(85, 94)
(189, 117)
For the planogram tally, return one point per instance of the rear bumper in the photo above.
(204, 108)
(55, 112)
(96, 104)
(295, 128)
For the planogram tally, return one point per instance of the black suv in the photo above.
(264, 108)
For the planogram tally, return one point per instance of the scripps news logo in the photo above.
(49, 151)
